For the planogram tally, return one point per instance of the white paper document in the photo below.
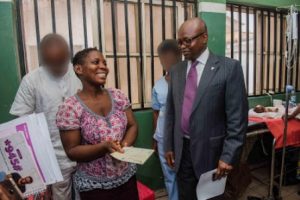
(133, 155)
(207, 188)
(37, 145)
(16, 158)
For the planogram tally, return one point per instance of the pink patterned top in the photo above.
(104, 172)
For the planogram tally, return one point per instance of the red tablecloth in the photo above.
(276, 127)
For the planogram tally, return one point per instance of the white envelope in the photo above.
(207, 188)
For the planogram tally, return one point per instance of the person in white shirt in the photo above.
(43, 90)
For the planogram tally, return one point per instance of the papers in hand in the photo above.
(133, 155)
(207, 188)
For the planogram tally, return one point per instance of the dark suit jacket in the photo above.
(219, 115)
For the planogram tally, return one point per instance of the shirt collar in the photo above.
(203, 57)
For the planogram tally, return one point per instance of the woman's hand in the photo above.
(85, 153)
(113, 146)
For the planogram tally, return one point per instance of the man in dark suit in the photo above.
(206, 114)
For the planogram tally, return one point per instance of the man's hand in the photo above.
(223, 169)
(170, 159)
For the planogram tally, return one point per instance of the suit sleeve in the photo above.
(236, 108)
(169, 119)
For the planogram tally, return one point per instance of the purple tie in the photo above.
(189, 97)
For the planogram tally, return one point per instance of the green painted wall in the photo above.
(9, 61)
(213, 1)
(150, 173)
(265, 3)
(216, 25)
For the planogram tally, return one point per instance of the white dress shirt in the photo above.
(39, 92)
(202, 59)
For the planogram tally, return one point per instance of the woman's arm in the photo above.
(71, 141)
(132, 129)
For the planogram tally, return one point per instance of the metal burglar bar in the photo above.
(127, 47)
(262, 51)
(53, 16)
(185, 9)
(258, 41)
(174, 19)
(151, 42)
(124, 30)
(163, 19)
(268, 51)
(275, 51)
(113, 25)
(196, 6)
(20, 39)
(84, 24)
(141, 53)
(99, 25)
(254, 51)
(232, 31)
(281, 52)
(240, 33)
(37, 25)
(247, 49)
(70, 26)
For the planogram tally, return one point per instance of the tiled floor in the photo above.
(256, 188)
(161, 195)
(259, 187)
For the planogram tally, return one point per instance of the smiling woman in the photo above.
(90, 65)
(94, 123)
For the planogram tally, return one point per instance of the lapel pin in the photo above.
(212, 68)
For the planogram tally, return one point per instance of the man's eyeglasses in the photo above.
(188, 41)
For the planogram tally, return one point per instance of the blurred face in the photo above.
(94, 69)
(192, 41)
(55, 58)
(168, 59)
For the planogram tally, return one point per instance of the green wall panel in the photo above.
(150, 173)
(9, 63)
(216, 31)
(266, 3)
(213, 1)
